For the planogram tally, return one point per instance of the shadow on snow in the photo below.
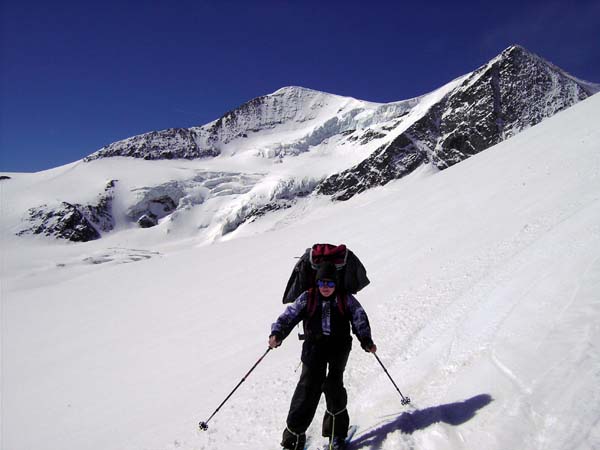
(409, 422)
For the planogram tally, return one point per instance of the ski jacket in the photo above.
(327, 320)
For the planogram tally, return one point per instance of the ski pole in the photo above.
(405, 400)
(204, 425)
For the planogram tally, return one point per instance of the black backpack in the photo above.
(351, 274)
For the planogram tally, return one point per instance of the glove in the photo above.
(369, 346)
(274, 341)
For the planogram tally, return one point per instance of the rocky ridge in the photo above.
(514, 91)
(321, 115)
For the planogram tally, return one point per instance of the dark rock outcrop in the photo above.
(513, 92)
(73, 222)
(64, 222)
(147, 221)
(174, 143)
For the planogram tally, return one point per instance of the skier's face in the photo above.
(326, 287)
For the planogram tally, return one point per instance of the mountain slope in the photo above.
(483, 304)
(513, 92)
(276, 151)
(303, 112)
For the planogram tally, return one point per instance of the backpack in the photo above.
(351, 274)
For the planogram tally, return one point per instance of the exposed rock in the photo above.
(64, 222)
(147, 221)
(514, 91)
(369, 135)
(73, 222)
(287, 104)
(388, 163)
(174, 143)
(101, 214)
(4, 177)
(156, 202)
(250, 215)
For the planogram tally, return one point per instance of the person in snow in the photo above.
(327, 321)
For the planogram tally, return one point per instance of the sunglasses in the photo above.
(322, 283)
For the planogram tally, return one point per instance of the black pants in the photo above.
(323, 367)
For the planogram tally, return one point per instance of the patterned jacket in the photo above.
(298, 310)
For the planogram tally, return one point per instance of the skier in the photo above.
(327, 322)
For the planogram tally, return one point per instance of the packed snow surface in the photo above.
(484, 304)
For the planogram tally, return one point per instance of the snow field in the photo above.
(483, 303)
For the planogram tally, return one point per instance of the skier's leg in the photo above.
(304, 403)
(336, 420)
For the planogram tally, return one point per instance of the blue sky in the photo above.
(78, 75)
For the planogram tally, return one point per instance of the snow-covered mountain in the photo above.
(514, 91)
(485, 280)
(275, 151)
(288, 122)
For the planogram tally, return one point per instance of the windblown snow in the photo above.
(484, 304)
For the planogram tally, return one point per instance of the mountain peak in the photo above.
(516, 48)
(296, 90)
(519, 55)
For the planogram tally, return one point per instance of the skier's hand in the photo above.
(369, 347)
(274, 342)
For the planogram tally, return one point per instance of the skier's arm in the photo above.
(360, 324)
(286, 322)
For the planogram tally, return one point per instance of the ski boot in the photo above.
(293, 441)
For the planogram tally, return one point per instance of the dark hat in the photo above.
(327, 271)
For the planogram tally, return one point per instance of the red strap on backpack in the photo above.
(341, 304)
(312, 302)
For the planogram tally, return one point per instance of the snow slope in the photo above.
(211, 197)
(484, 305)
